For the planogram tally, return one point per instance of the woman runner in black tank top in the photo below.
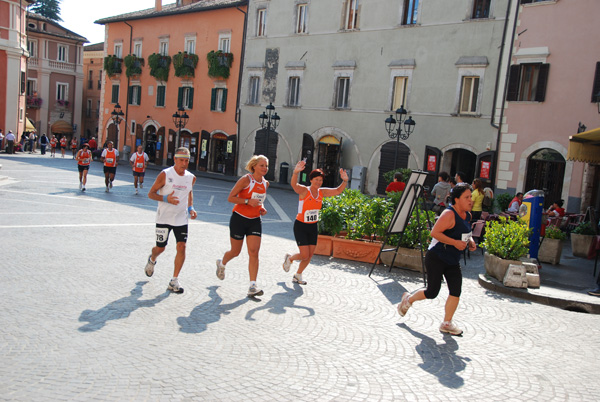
(451, 235)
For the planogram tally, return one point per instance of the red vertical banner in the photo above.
(431, 163)
(485, 170)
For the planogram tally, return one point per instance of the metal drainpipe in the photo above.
(238, 112)
(510, 52)
(127, 93)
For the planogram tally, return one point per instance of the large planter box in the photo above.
(496, 266)
(324, 245)
(409, 258)
(581, 244)
(550, 251)
(356, 250)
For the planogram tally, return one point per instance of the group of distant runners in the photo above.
(110, 159)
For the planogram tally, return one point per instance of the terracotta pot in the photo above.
(356, 250)
(581, 244)
(496, 266)
(324, 245)
(406, 258)
(550, 251)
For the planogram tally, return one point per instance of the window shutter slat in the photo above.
(540, 94)
(191, 102)
(596, 86)
(213, 98)
(513, 83)
(224, 103)
(180, 98)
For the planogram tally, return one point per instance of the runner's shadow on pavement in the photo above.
(440, 360)
(118, 309)
(207, 312)
(280, 301)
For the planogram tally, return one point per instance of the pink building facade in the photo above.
(13, 65)
(549, 96)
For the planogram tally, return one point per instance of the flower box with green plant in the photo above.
(219, 64)
(112, 65)
(552, 244)
(185, 64)
(34, 101)
(61, 102)
(133, 65)
(505, 240)
(159, 66)
(582, 238)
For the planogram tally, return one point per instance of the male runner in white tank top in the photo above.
(173, 191)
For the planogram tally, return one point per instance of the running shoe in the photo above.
(405, 304)
(150, 266)
(110, 184)
(298, 279)
(174, 286)
(136, 191)
(287, 263)
(80, 185)
(595, 292)
(107, 190)
(254, 291)
(220, 269)
(450, 328)
(141, 185)
(83, 189)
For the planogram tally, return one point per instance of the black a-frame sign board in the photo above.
(408, 202)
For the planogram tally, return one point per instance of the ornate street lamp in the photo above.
(269, 120)
(398, 133)
(117, 118)
(180, 119)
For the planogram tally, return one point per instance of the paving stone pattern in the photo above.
(81, 321)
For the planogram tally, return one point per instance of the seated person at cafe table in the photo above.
(515, 203)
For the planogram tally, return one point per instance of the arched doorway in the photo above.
(463, 161)
(546, 171)
(218, 153)
(265, 144)
(387, 156)
(150, 140)
(329, 153)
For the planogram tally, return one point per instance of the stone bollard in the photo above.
(516, 276)
(532, 274)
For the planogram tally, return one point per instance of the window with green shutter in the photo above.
(114, 98)
(160, 95)
(134, 95)
(218, 99)
(185, 97)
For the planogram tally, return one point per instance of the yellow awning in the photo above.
(585, 147)
(29, 127)
(61, 127)
(329, 139)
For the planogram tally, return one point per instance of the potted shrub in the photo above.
(502, 201)
(159, 66)
(581, 239)
(330, 224)
(416, 233)
(552, 245)
(133, 65)
(505, 242)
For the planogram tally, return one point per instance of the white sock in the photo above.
(252, 283)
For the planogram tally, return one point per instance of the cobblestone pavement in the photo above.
(81, 321)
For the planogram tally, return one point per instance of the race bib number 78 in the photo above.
(162, 234)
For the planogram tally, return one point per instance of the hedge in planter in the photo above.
(185, 64)
(507, 240)
(552, 245)
(581, 239)
(133, 65)
(219, 64)
(112, 65)
(159, 66)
